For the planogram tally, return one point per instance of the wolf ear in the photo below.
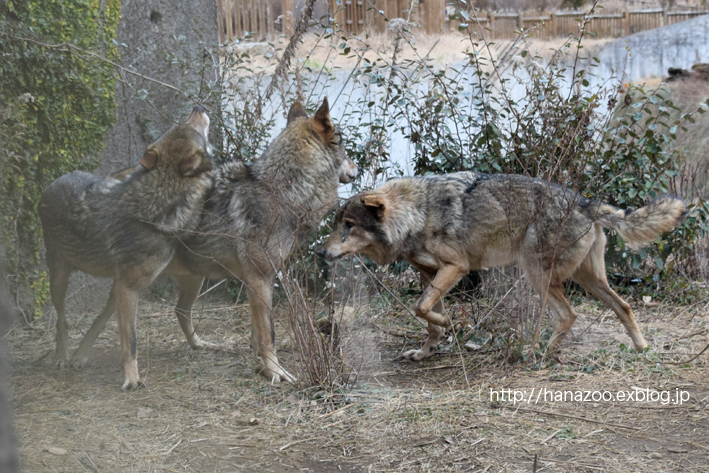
(322, 117)
(375, 204)
(149, 159)
(296, 111)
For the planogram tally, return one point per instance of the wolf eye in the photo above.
(337, 139)
(349, 224)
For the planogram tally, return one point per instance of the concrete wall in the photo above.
(150, 34)
(652, 52)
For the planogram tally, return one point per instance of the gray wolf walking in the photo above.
(255, 218)
(126, 230)
(448, 225)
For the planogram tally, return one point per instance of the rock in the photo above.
(472, 346)
(293, 399)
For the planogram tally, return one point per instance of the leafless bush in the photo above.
(327, 351)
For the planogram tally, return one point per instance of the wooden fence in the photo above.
(355, 16)
(264, 19)
(237, 18)
(561, 24)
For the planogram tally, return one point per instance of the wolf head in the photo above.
(184, 149)
(327, 133)
(360, 227)
(348, 171)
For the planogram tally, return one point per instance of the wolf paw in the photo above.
(61, 360)
(276, 376)
(415, 355)
(78, 362)
(198, 344)
(130, 385)
(287, 377)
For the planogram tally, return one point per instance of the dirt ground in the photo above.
(317, 53)
(208, 412)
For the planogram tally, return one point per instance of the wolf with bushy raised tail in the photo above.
(447, 225)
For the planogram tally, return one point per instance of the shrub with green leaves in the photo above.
(56, 103)
(542, 117)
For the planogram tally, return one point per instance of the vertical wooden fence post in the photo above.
(433, 13)
(228, 21)
(379, 18)
(491, 24)
(288, 18)
(339, 13)
(253, 27)
(237, 16)
(520, 23)
(262, 25)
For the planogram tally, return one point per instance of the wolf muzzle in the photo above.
(327, 255)
(321, 252)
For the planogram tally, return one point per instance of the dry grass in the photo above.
(207, 411)
(318, 53)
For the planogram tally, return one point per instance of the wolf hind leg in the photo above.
(59, 273)
(550, 287)
(565, 315)
(591, 275)
(260, 292)
(81, 355)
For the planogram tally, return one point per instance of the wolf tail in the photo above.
(641, 226)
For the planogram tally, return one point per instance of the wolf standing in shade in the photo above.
(126, 230)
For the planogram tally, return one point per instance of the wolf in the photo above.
(448, 225)
(255, 217)
(127, 230)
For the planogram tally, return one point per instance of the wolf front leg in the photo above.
(263, 335)
(430, 307)
(59, 273)
(435, 333)
(127, 307)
